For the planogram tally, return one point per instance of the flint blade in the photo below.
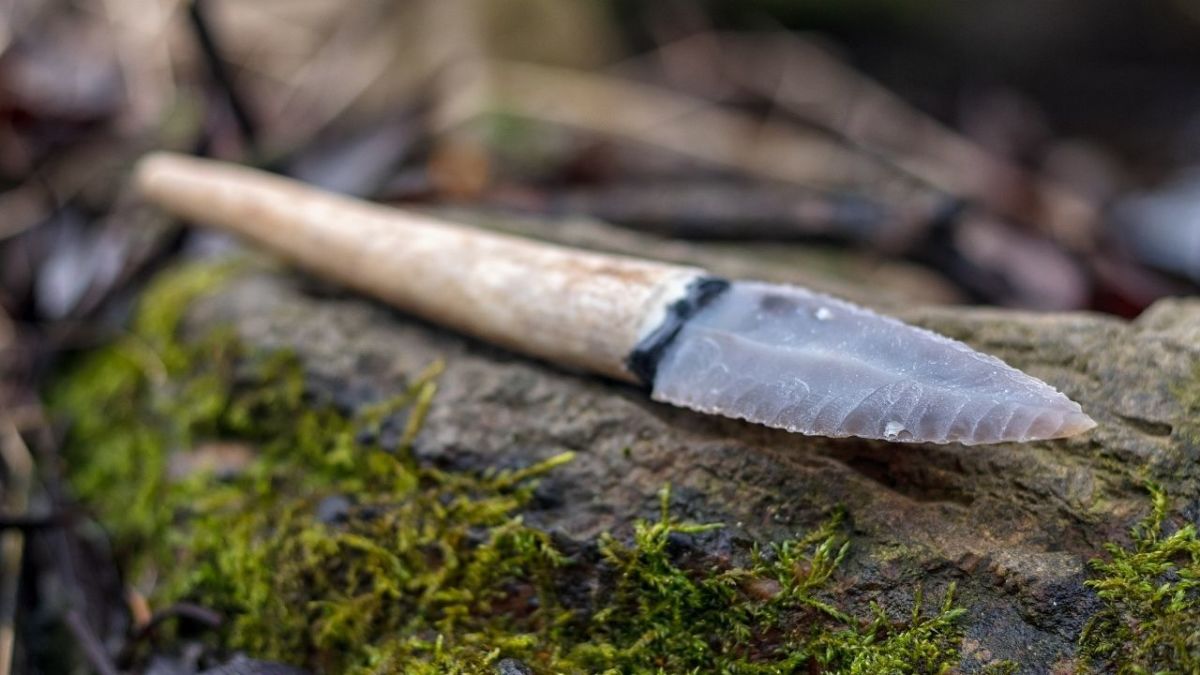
(797, 360)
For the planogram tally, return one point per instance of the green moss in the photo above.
(1150, 621)
(326, 549)
(766, 618)
(128, 408)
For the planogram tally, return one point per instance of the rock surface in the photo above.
(1012, 525)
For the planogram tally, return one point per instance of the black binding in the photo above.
(643, 360)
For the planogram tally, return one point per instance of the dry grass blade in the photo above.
(661, 118)
(18, 467)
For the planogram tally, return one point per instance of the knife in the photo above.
(777, 355)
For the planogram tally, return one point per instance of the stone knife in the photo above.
(781, 356)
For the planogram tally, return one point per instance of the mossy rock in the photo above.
(614, 576)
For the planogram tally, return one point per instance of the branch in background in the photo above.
(687, 126)
(73, 562)
(729, 209)
(220, 72)
(805, 79)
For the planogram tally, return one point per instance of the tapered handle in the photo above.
(576, 308)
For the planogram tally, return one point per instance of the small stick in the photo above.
(93, 649)
(181, 610)
(19, 465)
(220, 72)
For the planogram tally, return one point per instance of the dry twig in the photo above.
(18, 466)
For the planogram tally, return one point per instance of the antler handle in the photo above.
(575, 308)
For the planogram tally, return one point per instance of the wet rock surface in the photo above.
(1012, 525)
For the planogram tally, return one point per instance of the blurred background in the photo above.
(1035, 154)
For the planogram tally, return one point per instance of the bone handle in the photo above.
(575, 308)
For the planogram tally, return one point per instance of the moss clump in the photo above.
(133, 401)
(1151, 593)
(765, 618)
(324, 548)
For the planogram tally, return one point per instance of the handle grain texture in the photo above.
(575, 308)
